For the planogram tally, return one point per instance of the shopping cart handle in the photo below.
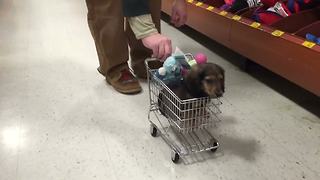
(146, 62)
(150, 59)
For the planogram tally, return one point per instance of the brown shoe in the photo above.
(140, 69)
(126, 83)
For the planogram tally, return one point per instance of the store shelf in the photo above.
(281, 47)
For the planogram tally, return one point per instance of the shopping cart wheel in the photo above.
(175, 156)
(153, 131)
(215, 147)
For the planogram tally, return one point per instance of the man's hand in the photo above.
(159, 44)
(179, 13)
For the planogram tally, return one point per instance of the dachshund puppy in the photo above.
(203, 80)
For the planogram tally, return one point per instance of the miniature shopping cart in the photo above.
(183, 124)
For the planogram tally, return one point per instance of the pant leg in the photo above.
(138, 51)
(106, 23)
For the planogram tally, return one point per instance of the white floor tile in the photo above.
(60, 120)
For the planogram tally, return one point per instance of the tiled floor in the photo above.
(59, 119)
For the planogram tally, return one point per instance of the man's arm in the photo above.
(142, 26)
(138, 15)
(144, 29)
(139, 18)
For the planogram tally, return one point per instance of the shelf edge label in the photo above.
(199, 4)
(308, 44)
(277, 33)
(210, 8)
(236, 18)
(255, 25)
(223, 13)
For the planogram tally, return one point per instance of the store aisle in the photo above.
(60, 120)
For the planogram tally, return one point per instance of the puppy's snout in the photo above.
(219, 94)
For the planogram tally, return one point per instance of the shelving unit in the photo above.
(280, 47)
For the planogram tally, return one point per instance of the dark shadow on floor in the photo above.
(300, 96)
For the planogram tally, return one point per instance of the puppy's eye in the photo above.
(211, 81)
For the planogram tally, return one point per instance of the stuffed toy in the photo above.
(178, 65)
(171, 72)
(228, 4)
(242, 4)
(272, 14)
(313, 38)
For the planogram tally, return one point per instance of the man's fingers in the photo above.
(173, 15)
(160, 45)
(180, 23)
(183, 20)
(168, 50)
(161, 50)
(177, 22)
(155, 51)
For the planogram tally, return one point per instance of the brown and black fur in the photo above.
(204, 80)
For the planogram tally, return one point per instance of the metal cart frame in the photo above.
(183, 124)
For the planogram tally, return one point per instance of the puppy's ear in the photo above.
(193, 79)
(222, 77)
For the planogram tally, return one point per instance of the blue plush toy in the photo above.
(170, 73)
(313, 38)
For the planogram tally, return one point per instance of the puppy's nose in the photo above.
(219, 94)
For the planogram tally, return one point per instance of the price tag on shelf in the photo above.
(277, 33)
(255, 25)
(199, 4)
(190, 1)
(236, 18)
(210, 8)
(223, 13)
(308, 44)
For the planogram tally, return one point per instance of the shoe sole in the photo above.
(98, 69)
(131, 91)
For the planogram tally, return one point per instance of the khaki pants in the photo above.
(112, 35)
